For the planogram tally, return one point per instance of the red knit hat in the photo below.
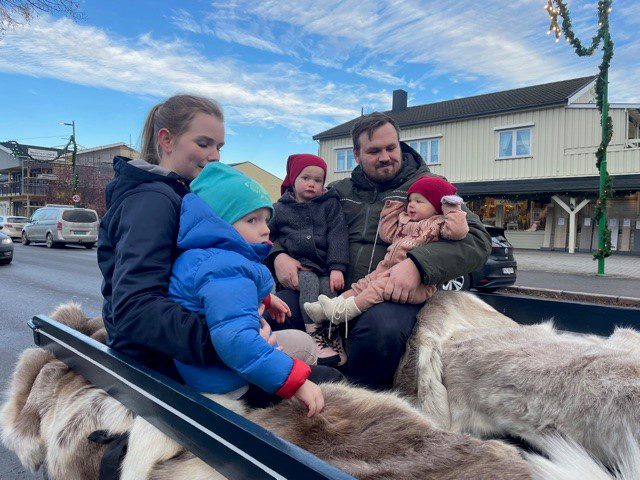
(298, 162)
(433, 189)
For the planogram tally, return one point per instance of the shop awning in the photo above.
(535, 187)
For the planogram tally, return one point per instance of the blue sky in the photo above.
(284, 70)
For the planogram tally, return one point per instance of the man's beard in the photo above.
(383, 174)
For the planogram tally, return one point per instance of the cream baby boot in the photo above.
(315, 311)
(339, 309)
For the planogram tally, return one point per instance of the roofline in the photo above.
(611, 105)
(571, 98)
(27, 147)
(456, 118)
(103, 147)
(257, 166)
(565, 101)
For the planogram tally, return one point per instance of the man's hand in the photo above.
(404, 277)
(278, 309)
(336, 281)
(311, 395)
(287, 268)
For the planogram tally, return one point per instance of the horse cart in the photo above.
(233, 445)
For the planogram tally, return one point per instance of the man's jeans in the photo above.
(376, 343)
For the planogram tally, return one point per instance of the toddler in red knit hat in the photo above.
(308, 224)
(433, 212)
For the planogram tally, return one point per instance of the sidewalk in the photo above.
(616, 266)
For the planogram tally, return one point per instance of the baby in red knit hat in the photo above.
(433, 212)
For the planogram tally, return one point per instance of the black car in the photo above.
(6, 248)
(499, 271)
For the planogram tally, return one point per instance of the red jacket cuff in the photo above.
(267, 301)
(296, 378)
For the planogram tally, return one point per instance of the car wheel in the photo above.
(457, 284)
(25, 240)
(89, 246)
(5, 262)
(49, 241)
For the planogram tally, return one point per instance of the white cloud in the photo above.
(378, 75)
(494, 44)
(185, 21)
(240, 37)
(275, 94)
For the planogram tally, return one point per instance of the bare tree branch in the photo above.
(21, 12)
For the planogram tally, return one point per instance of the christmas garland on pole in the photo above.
(558, 8)
(17, 152)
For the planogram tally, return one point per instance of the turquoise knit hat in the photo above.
(230, 193)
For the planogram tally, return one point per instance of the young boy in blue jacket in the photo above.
(224, 236)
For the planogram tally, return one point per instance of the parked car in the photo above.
(499, 271)
(12, 226)
(6, 248)
(62, 224)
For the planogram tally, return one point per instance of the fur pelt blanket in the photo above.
(471, 369)
(50, 412)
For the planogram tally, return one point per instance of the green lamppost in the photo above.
(558, 8)
(74, 176)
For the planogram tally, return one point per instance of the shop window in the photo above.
(521, 215)
(514, 143)
(345, 161)
(428, 148)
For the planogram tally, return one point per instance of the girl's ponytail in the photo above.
(150, 150)
(174, 114)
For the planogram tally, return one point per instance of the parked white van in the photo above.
(62, 224)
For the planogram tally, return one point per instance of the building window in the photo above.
(514, 143)
(428, 148)
(633, 132)
(345, 162)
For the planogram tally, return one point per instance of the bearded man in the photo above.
(386, 168)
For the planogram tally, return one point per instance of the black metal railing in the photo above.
(30, 186)
(231, 444)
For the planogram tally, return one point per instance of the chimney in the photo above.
(399, 100)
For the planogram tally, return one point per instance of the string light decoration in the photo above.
(556, 9)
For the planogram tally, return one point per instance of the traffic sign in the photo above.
(75, 198)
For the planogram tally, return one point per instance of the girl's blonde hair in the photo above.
(174, 114)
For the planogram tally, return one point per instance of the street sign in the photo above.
(40, 154)
(75, 198)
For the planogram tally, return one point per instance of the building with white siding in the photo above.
(523, 159)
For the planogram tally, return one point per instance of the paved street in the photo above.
(616, 266)
(616, 286)
(39, 279)
(577, 273)
(36, 281)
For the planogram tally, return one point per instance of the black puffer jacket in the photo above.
(362, 201)
(313, 232)
(136, 248)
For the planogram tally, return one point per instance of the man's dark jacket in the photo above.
(312, 232)
(142, 219)
(362, 201)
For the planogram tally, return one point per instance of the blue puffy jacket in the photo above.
(221, 276)
(136, 248)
